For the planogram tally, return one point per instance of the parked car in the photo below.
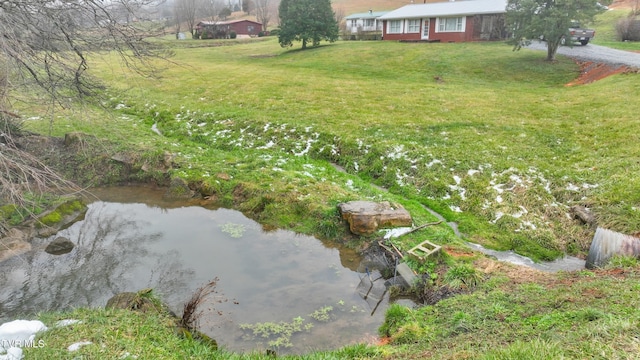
(578, 34)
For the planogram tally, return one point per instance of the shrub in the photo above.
(233, 35)
(410, 333)
(10, 126)
(462, 276)
(628, 29)
(395, 318)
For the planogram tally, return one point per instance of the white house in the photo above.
(364, 25)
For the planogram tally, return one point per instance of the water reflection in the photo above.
(110, 256)
(175, 247)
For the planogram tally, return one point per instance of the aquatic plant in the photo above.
(323, 314)
(280, 333)
(234, 230)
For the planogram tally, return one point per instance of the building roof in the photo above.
(449, 8)
(227, 22)
(366, 15)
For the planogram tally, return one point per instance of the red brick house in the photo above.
(451, 21)
(222, 29)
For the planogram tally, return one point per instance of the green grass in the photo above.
(606, 35)
(490, 138)
(570, 317)
(124, 334)
(375, 107)
(523, 147)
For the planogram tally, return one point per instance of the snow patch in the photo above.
(154, 128)
(499, 215)
(433, 162)
(67, 322)
(395, 232)
(15, 334)
(571, 187)
(78, 345)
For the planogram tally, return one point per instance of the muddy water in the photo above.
(133, 239)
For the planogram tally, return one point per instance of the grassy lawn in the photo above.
(605, 26)
(490, 138)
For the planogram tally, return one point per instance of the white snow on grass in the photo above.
(499, 215)
(305, 150)
(14, 353)
(154, 128)
(395, 232)
(67, 322)
(461, 191)
(397, 153)
(16, 334)
(433, 162)
(19, 330)
(571, 187)
(350, 185)
(76, 346)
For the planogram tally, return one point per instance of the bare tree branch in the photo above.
(44, 47)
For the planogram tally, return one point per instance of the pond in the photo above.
(133, 239)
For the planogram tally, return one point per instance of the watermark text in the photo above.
(22, 343)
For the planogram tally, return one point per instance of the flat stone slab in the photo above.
(366, 217)
(406, 274)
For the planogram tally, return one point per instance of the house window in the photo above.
(451, 24)
(395, 26)
(354, 23)
(368, 23)
(413, 26)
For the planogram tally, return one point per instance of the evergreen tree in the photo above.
(307, 21)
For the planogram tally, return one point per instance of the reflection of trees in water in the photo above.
(111, 256)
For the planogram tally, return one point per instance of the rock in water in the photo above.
(59, 246)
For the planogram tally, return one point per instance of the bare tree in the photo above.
(44, 47)
(188, 10)
(264, 10)
(212, 9)
(339, 14)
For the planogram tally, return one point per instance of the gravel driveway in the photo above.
(594, 53)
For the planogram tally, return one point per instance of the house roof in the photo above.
(227, 22)
(449, 8)
(366, 15)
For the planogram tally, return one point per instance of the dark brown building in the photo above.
(223, 29)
